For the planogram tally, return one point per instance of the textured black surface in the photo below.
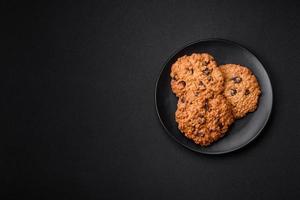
(242, 131)
(77, 100)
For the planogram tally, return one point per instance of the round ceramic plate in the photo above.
(243, 130)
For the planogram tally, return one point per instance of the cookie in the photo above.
(204, 119)
(197, 72)
(241, 89)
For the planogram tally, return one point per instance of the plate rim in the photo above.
(212, 40)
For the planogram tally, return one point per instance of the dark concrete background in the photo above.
(78, 110)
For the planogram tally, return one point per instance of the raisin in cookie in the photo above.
(204, 119)
(197, 72)
(241, 89)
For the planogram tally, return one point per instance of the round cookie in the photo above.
(203, 119)
(197, 72)
(241, 89)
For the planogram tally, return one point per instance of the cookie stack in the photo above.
(210, 98)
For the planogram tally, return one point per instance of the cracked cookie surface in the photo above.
(241, 89)
(197, 72)
(204, 119)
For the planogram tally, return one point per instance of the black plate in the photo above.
(242, 131)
